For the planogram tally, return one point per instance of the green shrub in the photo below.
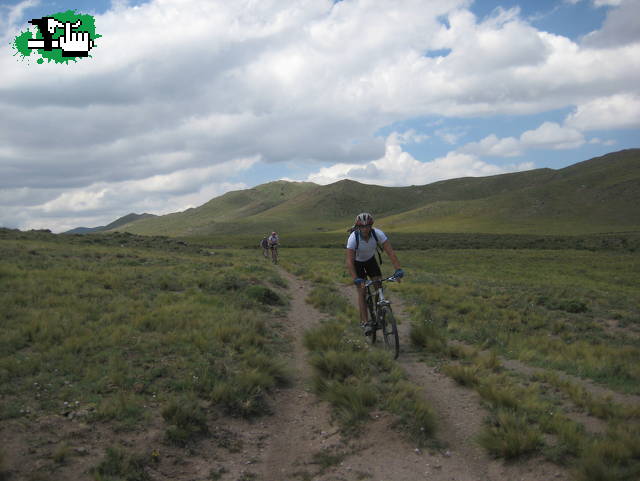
(415, 415)
(613, 457)
(504, 396)
(120, 465)
(328, 300)
(352, 401)
(232, 282)
(61, 454)
(338, 365)
(187, 419)
(574, 306)
(264, 295)
(426, 335)
(244, 393)
(124, 408)
(465, 375)
(510, 435)
(328, 336)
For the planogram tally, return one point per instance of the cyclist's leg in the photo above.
(373, 269)
(362, 305)
(373, 272)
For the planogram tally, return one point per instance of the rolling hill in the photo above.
(127, 219)
(595, 196)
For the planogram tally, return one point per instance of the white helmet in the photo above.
(364, 219)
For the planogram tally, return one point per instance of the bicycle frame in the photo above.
(375, 299)
(381, 316)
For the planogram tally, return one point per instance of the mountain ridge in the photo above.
(121, 221)
(592, 196)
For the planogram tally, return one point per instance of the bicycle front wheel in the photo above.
(372, 320)
(390, 331)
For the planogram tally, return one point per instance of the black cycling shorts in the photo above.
(368, 268)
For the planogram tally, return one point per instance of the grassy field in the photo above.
(564, 312)
(112, 329)
(112, 334)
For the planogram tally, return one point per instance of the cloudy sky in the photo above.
(184, 100)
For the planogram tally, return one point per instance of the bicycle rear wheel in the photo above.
(390, 331)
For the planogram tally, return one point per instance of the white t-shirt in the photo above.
(366, 249)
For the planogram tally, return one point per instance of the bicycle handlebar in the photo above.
(368, 282)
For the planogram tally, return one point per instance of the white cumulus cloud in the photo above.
(185, 86)
(617, 111)
(398, 167)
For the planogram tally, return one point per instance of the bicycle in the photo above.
(274, 254)
(381, 316)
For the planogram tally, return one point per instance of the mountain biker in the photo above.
(273, 240)
(361, 260)
(264, 243)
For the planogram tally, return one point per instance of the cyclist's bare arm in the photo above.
(392, 255)
(350, 262)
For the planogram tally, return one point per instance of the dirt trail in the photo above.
(300, 426)
(301, 429)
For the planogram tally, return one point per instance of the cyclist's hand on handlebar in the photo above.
(358, 281)
(399, 273)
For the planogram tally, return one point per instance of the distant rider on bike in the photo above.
(273, 241)
(264, 243)
(361, 259)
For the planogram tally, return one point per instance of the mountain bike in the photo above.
(274, 254)
(381, 316)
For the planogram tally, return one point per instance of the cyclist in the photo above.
(273, 241)
(361, 259)
(264, 243)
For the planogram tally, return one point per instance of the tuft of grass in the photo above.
(329, 336)
(118, 464)
(264, 295)
(216, 474)
(510, 435)
(414, 414)
(352, 401)
(463, 374)
(326, 299)
(187, 421)
(327, 458)
(490, 361)
(338, 365)
(244, 394)
(61, 453)
(611, 458)
(125, 409)
(501, 395)
(570, 439)
(426, 335)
